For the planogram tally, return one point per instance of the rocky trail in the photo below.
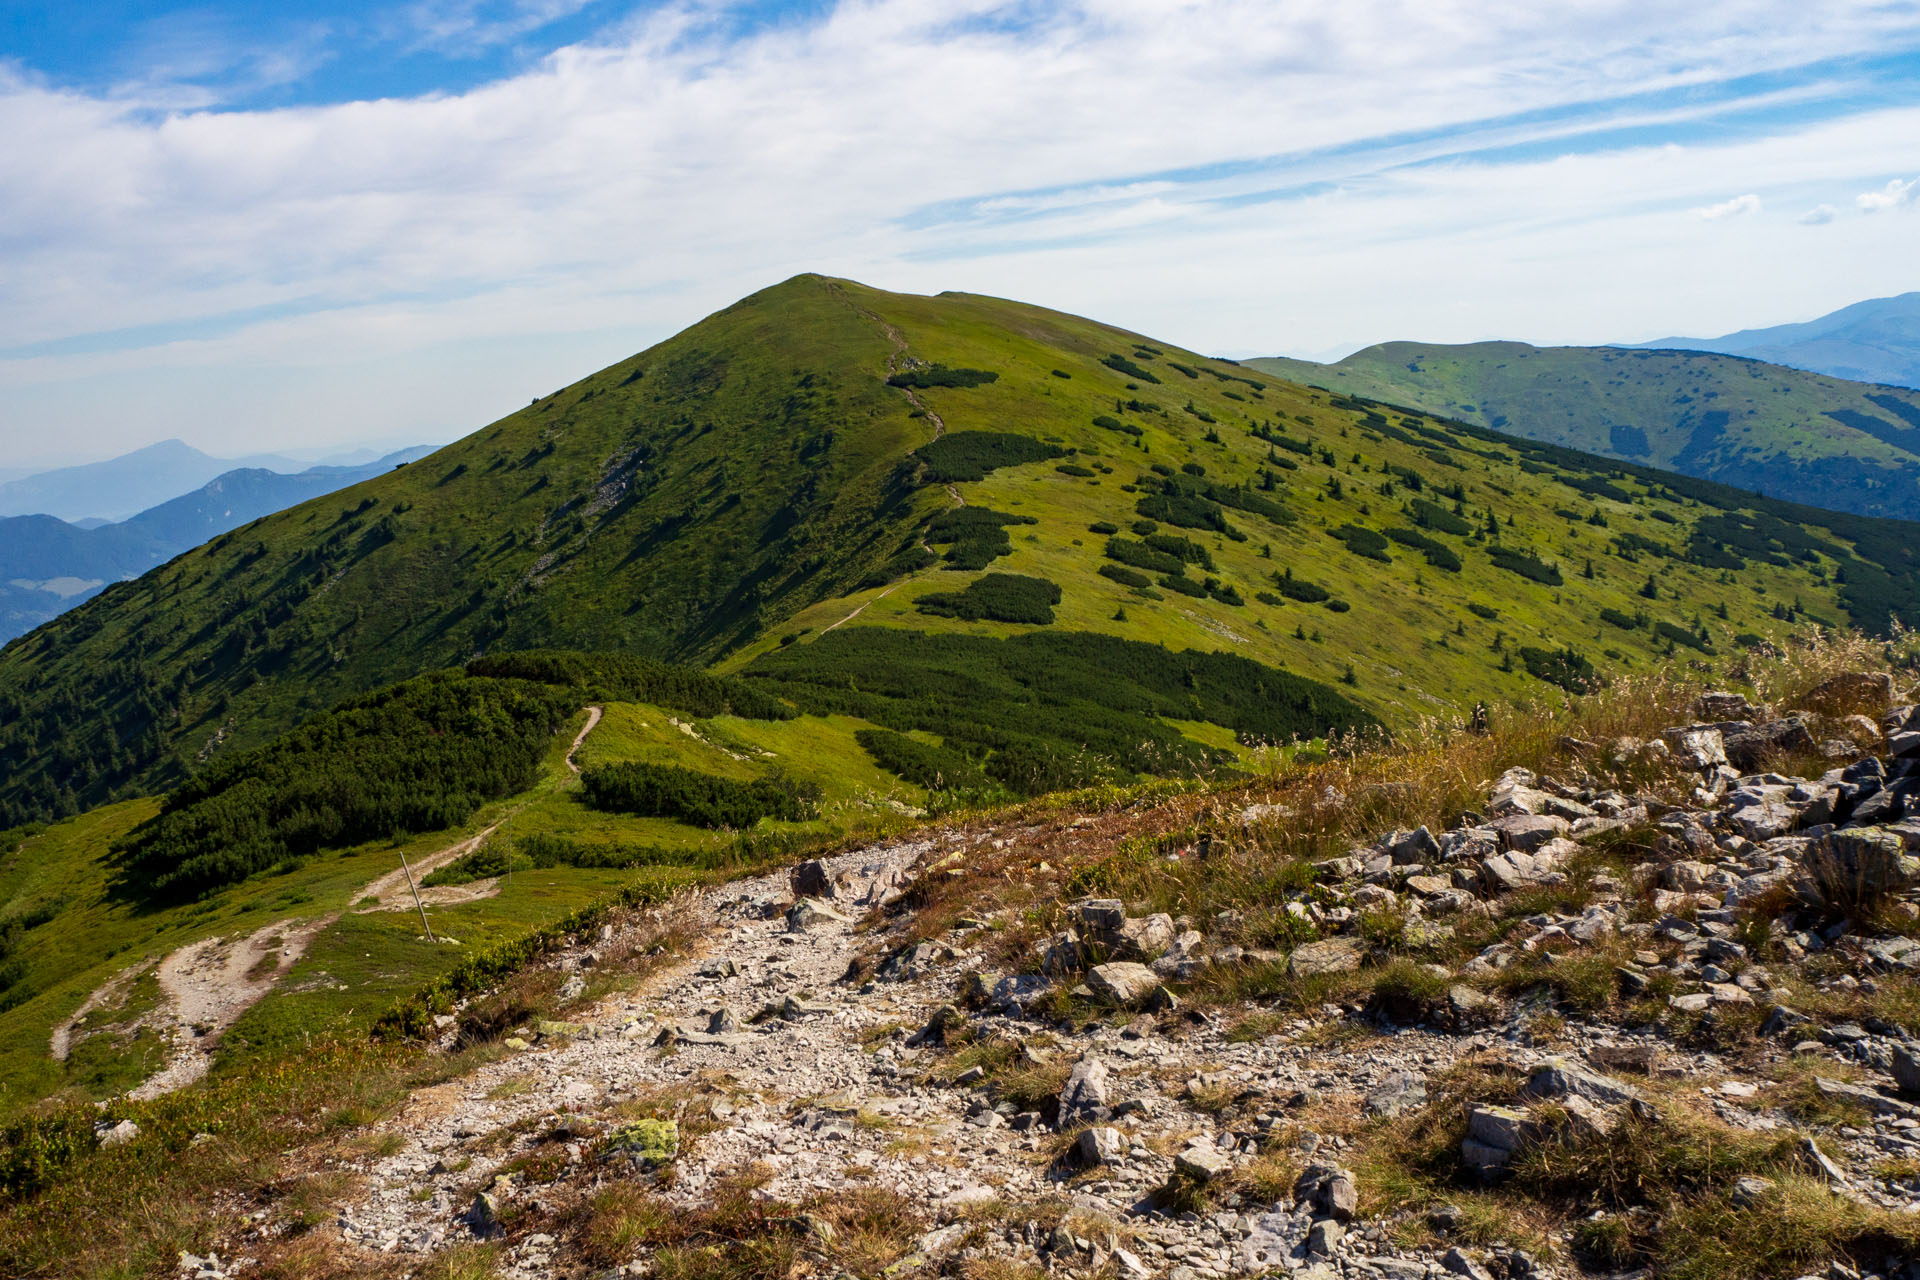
(205, 986)
(1069, 1113)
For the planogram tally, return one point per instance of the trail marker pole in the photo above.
(421, 906)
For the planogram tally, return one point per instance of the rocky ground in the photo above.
(1463, 1016)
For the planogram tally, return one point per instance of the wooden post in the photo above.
(421, 906)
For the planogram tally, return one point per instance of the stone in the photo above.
(649, 1144)
(1816, 1162)
(1202, 1164)
(1100, 1145)
(483, 1215)
(722, 1022)
(1146, 938)
(1329, 955)
(1469, 1008)
(1906, 1070)
(1399, 1091)
(1560, 1078)
(1750, 1190)
(1699, 748)
(1416, 846)
(1458, 1263)
(1124, 982)
(1324, 1236)
(1100, 915)
(1861, 864)
(1060, 955)
(1084, 1096)
(1861, 1096)
(1502, 1128)
(1763, 821)
(811, 913)
(115, 1135)
(1330, 1189)
(811, 880)
(1527, 832)
(1749, 749)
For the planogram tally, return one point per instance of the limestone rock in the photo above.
(1329, 955)
(1557, 1079)
(1123, 982)
(811, 913)
(811, 880)
(1100, 1145)
(1084, 1096)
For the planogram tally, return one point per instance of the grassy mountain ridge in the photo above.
(1730, 418)
(807, 459)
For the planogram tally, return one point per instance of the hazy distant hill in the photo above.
(117, 488)
(1783, 432)
(48, 565)
(907, 505)
(1873, 341)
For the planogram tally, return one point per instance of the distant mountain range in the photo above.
(1873, 341)
(118, 488)
(48, 565)
(1787, 433)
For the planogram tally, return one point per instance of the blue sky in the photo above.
(252, 227)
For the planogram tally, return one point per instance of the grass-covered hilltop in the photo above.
(784, 486)
(1810, 437)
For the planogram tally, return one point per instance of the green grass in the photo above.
(360, 964)
(1737, 421)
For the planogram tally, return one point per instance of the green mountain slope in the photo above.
(1787, 433)
(826, 458)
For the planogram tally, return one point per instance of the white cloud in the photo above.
(1895, 194)
(355, 263)
(1818, 216)
(1739, 205)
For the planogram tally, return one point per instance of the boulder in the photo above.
(812, 913)
(1906, 1070)
(1202, 1164)
(1861, 864)
(109, 1134)
(1409, 847)
(1330, 1190)
(1060, 954)
(1329, 955)
(811, 880)
(1084, 1096)
(1699, 747)
(646, 1143)
(1124, 982)
(1100, 1145)
(1751, 748)
(1558, 1079)
(1527, 832)
(1859, 1095)
(1399, 1091)
(1146, 938)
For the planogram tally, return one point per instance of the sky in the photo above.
(256, 226)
